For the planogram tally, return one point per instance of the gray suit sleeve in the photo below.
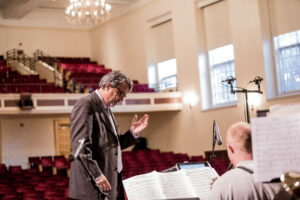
(82, 127)
(127, 140)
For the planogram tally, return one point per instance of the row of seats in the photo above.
(81, 75)
(15, 77)
(30, 184)
(134, 162)
(38, 182)
(30, 88)
(84, 67)
(13, 82)
(144, 161)
(89, 74)
(75, 60)
(137, 88)
(48, 163)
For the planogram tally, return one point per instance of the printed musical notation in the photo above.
(182, 184)
(276, 145)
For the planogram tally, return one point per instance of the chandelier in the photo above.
(87, 11)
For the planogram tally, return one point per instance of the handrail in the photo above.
(72, 85)
(52, 62)
(20, 56)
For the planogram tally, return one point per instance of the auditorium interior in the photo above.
(195, 65)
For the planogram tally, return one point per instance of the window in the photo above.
(167, 74)
(282, 55)
(216, 55)
(162, 69)
(221, 62)
(163, 76)
(287, 53)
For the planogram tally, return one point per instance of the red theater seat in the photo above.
(61, 165)
(34, 162)
(15, 170)
(47, 164)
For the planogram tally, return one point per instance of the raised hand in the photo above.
(138, 126)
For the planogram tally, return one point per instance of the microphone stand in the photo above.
(246, 91)
(212, 155)
(81, 159)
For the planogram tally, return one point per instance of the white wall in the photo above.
(54, 42)
(26, 136)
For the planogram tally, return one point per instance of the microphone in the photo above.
(217, 134)
(83, 161)
(257, 80)
(229, 79)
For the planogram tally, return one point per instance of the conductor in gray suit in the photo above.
(97, 174)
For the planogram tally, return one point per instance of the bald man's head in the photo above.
(239, 135)
(238, 140)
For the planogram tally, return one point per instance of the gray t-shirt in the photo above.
(238, 184)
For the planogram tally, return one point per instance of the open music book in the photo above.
(182, 184)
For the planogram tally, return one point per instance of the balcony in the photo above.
(62, 103)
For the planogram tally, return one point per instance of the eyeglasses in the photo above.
(121, 93)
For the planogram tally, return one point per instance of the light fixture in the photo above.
(255, 100)
(87, 11)
(190, 98)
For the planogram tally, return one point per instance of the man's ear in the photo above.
(107, 86)
(230, 148)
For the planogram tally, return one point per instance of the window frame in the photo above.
(280, 91)
(209, 84)
(157, 85)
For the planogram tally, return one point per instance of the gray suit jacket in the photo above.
(89, 120)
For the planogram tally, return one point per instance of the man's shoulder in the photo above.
(225, 177)
(232, 175)
(87, 98)
(232, 180)
(87, 102)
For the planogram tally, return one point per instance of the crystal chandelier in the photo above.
(87, 11)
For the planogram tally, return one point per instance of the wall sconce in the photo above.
(254, 100)
(190, 98)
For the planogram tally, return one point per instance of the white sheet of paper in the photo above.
(171, 185)
(143, 187)
(175, 185)
(200, 179)
(276, 145)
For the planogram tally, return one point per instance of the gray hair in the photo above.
(115, 78)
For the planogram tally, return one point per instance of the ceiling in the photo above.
(51, 13)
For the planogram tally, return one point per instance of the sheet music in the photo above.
(143, 187)
(200, 179)
(172, 185)
(276, 145)
(175, 185)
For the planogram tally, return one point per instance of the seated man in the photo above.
(238, 183)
